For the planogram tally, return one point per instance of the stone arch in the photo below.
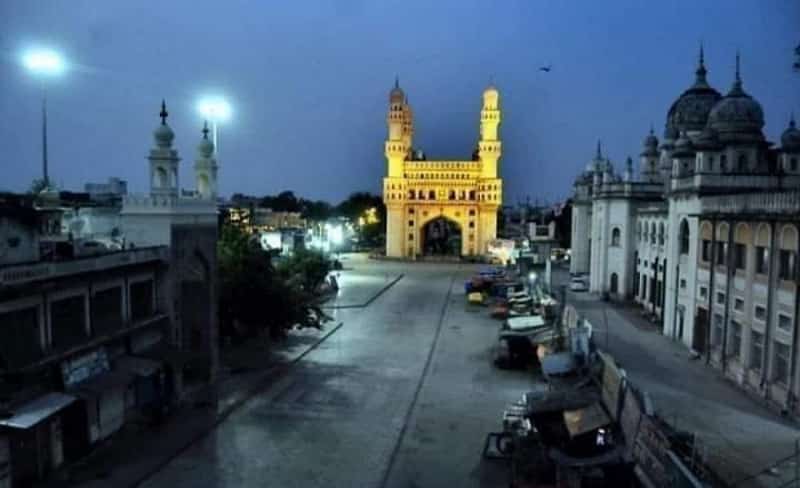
(441, 235)
(160, 178)
(203, 185)
(762, 235)
(616, 237)
(788, 240)
(706, 230)
(722, 232)
(613, 283)
(742, 233)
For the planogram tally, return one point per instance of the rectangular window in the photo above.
(683, 283)
(735, 344)
(472, 213)
(106, 310)
(410, 237)
(722, 252)
(756, 350)
(706, 251)
(142, 300)
(780, 363)
(703, 292)
(471, 224)
(740, 256)
(786, 271)
(784, 322)
(716, 331)
(20, 345)
(411, 223)
(738, 304)
(720, 298)
(762, 260)
(410, 211)
(760, 312)
(68, 322)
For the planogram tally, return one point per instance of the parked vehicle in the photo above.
(578, 284)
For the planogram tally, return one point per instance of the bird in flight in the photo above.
(547, 68)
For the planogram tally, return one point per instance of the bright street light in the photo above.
(215, 109)
(44, 63)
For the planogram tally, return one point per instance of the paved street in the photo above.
(740, 436)
(401, 395)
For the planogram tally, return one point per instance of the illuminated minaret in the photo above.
(205, 168)
(489, 147)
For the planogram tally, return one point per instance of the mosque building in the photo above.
(706, 238)
(444, 207)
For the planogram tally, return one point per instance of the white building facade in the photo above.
(656, 239)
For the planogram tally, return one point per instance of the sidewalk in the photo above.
(740, 437)
(137, 451)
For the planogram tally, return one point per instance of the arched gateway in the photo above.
(440, 207)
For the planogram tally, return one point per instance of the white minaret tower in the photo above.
(163, 159)
(205, 168)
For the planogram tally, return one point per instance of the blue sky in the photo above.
(309, 83)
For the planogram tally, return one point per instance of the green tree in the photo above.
(306, 268)
(356, 205)
(254, 296)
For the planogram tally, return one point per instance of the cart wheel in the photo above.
(504, 443)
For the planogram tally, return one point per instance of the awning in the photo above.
(137, 366)
(33, 412)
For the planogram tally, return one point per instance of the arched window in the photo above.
(653, 233)
(613, 286)
(793, 164)
(452, 195)
(684, 237)
(615, 237)
(411, 194)
(639, 230)
(432, 195)
(723, 163)
(472, 195)
(661, 233)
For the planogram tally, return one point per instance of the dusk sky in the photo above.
(309, 83)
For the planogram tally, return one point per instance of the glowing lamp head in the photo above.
(215, 109)
(44, 62)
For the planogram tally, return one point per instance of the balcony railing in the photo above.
(771, 203)
(16, 274)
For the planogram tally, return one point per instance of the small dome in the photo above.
(737, 115)
(163, 135)
(790, 139)
(650, 144)
(491, 92)
(206, 148)
(397, 95)
(691, 110)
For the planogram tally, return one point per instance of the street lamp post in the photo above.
(216, 110)
(44, 63)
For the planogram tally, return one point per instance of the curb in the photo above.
(250, 392)
(368, 302)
